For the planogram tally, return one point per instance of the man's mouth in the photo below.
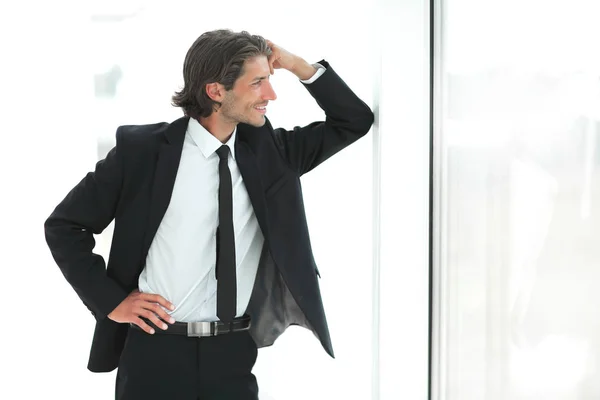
(261, 109)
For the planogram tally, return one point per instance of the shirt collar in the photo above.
(206, 142)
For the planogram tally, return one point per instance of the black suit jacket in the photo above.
(133, 186)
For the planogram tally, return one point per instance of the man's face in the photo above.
(246, 102)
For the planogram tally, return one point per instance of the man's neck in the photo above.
(219, 129)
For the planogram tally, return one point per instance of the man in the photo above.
(210, 257)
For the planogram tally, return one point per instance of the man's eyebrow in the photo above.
(260, 78)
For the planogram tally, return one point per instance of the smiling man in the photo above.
(211, 257)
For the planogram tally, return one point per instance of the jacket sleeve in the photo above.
(348, 118)
(87, 210)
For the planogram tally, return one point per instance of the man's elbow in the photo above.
(364, 122)
(53, 226)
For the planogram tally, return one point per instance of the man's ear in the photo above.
(215, 91)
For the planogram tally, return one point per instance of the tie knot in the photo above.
(223, 152)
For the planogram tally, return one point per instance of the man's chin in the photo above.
(257, 123)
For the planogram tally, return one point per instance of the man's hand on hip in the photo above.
(146, 305)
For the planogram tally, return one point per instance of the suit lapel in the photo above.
(165, 173)
(167, 165)
(246, 161)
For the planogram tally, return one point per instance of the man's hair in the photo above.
(216, 56)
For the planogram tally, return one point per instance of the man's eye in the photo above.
(257, 83)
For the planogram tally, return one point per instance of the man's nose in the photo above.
(269, 93)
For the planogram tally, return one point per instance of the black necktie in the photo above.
(226, 280)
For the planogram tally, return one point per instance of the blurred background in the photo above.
(518, 212)
(456, 242)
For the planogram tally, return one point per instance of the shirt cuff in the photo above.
(320, 71)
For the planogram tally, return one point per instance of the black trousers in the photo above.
(166, 367)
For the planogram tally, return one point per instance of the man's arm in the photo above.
(87, 210)
(348, 118)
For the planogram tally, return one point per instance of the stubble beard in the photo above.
(228, 111)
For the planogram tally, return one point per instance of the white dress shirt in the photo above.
(180, 265)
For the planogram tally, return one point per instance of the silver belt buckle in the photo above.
(201, 329)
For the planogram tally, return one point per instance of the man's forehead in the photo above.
(257, 67)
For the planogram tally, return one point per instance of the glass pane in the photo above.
(519, 193)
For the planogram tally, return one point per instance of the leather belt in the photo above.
(201, 329)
